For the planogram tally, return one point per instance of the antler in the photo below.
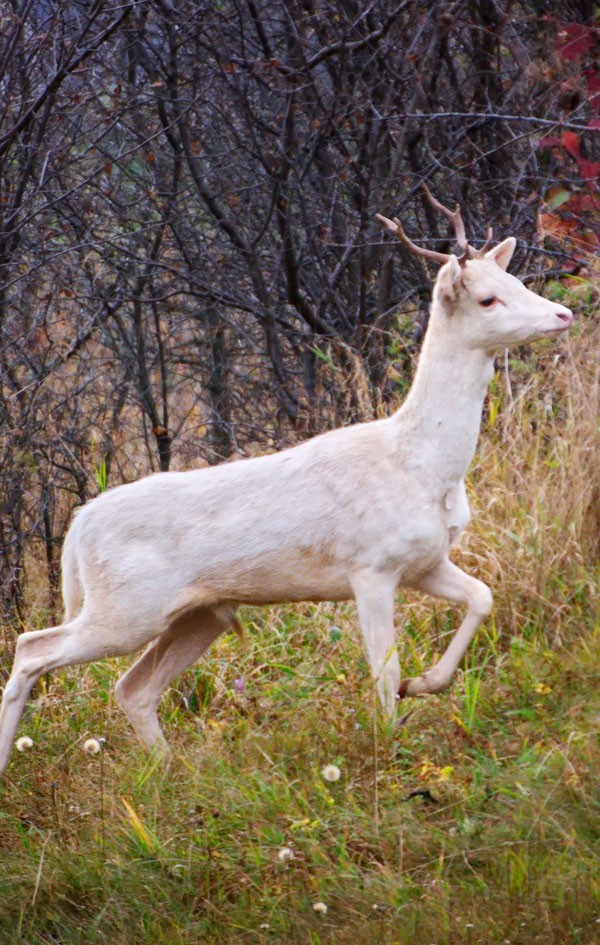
(455, 219)
(488, 239)
(394, 226)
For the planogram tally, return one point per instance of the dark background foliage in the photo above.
(189, 264)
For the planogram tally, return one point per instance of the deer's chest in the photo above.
(455, 511)
(406, 532)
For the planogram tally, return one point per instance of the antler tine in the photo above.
(394, 226)
(456, 220)
(488, 239)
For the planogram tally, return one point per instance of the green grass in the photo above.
(476, 819)
(470, 822)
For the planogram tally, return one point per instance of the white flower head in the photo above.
(320, 907)
(331, 773)
(285, 854)
(23, 743)
(92, 746)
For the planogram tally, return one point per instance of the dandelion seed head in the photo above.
(320, 907)
(92, 746)
(331, 773)
(23, 743)
(285, 854)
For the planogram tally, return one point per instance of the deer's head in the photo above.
(479, 300)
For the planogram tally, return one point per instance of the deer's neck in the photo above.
(441, 416)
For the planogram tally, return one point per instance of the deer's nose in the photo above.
(565, 316)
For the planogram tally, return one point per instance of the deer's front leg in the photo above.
(374, 594)
(449, 582)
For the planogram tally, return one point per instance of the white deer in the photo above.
(352, 513)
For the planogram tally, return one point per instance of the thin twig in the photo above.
(484, 116)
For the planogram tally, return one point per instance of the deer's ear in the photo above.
(503, 252)
(449, 280)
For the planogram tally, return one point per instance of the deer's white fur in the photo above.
(352, 513)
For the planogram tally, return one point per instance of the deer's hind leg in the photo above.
(41, 651)
(179, 647)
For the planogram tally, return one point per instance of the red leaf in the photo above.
(589, 170)
(593, 84)
(595, 123)
(593, 81)
(572, 144)
(582, 202)
(573, 40)
(549, 142)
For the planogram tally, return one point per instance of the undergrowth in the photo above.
(472, 818)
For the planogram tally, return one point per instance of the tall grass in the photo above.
(474, 819)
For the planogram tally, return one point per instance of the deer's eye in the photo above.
(488, 301)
